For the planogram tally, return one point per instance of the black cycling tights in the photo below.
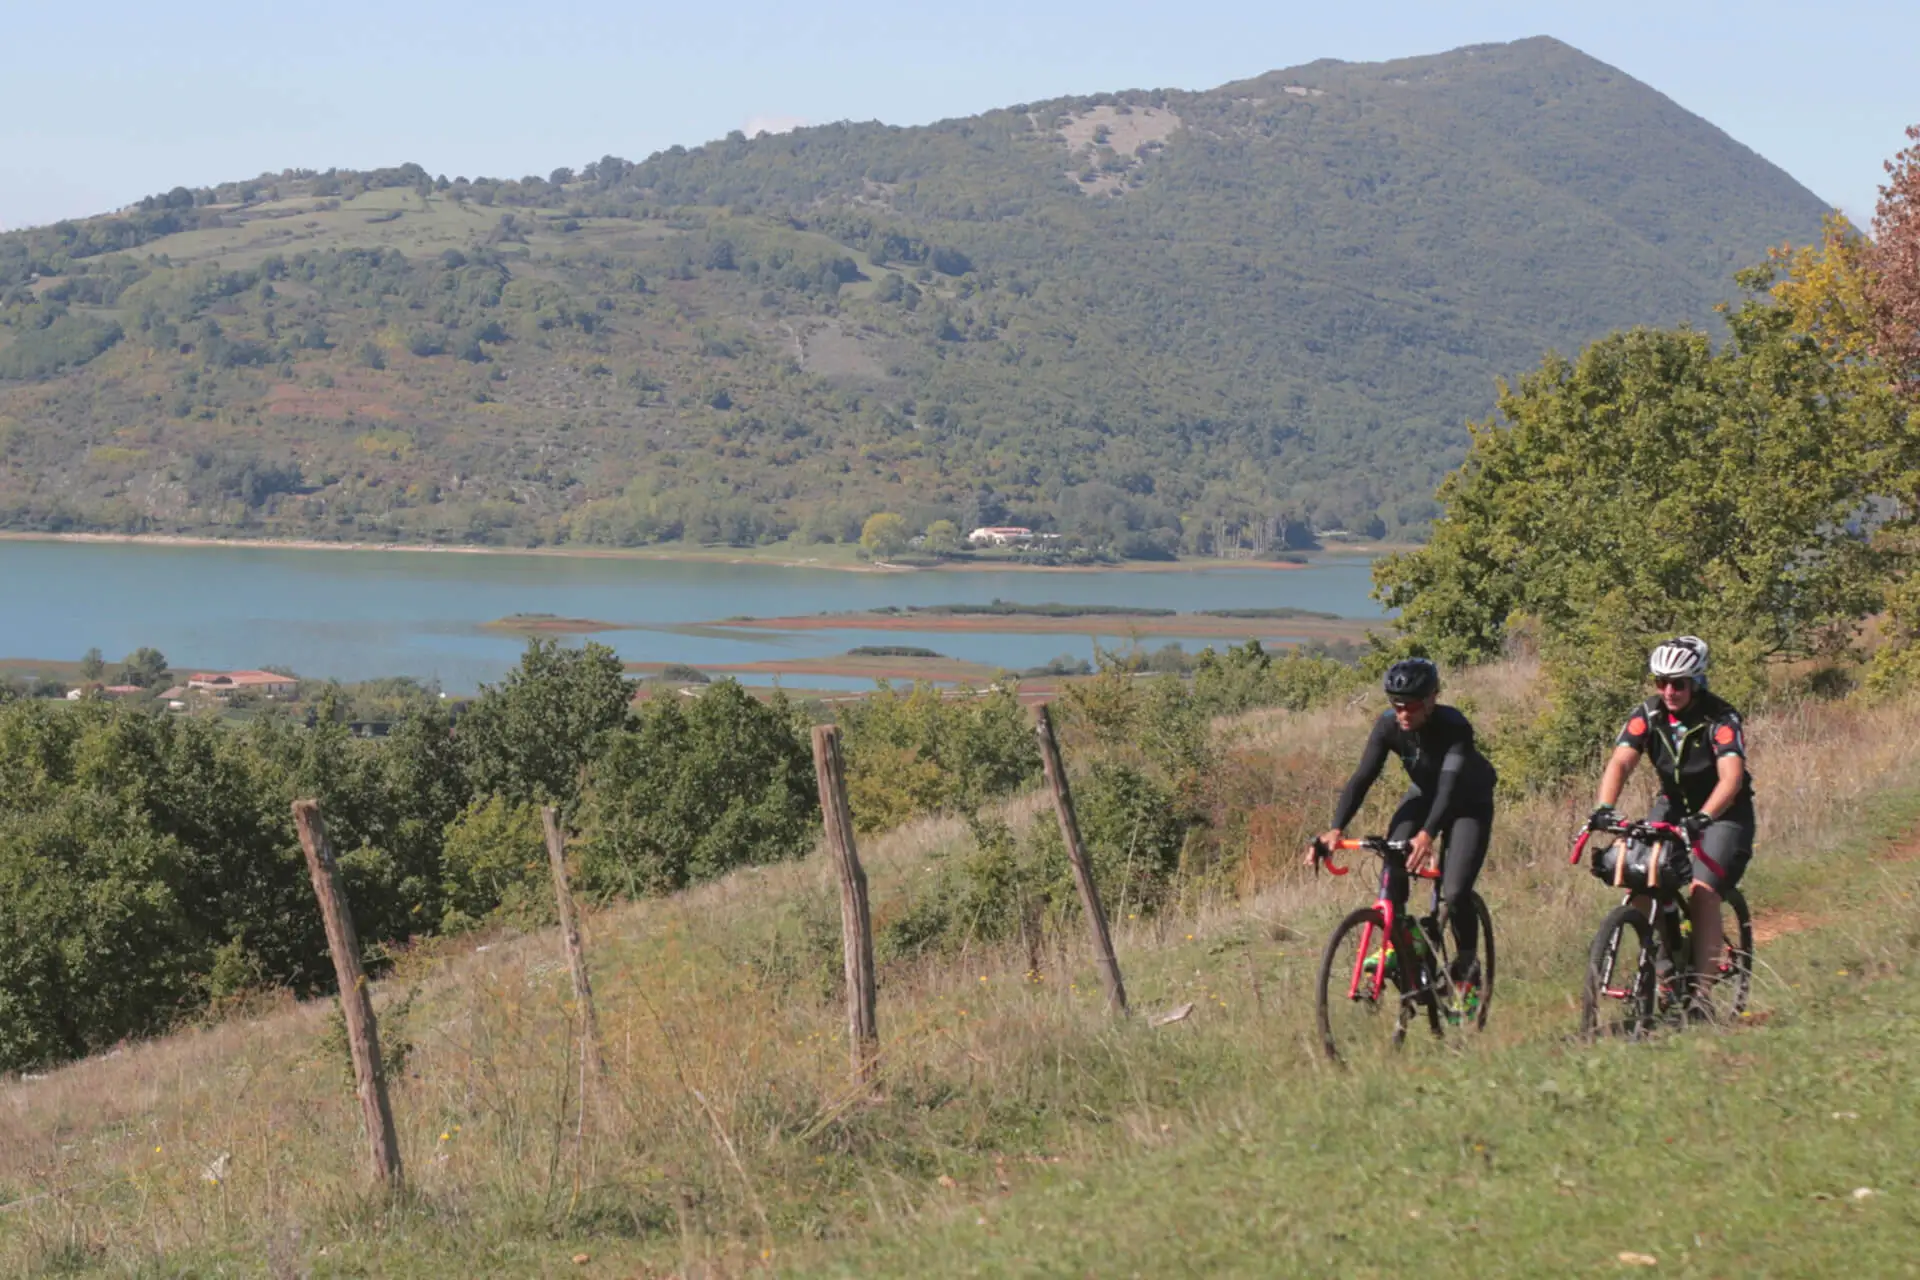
(1466, 838)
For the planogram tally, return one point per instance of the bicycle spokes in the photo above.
(1623, 977)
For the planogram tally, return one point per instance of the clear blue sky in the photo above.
(104, 102)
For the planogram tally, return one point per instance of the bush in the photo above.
(494, 867)
(1003, 887)
(1010, 886)
(920, 752)
(100, 946)
(1134, 831)
(67, 343)
(695, 790)
(1064, 665)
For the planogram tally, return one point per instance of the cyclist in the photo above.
(1700, 752)
(1450, 796)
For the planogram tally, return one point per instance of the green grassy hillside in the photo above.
(1163, 321)
(1017, 1129)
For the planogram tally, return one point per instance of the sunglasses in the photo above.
(1673, 682)
(1405, 704)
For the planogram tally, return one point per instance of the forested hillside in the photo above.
(1160, 321)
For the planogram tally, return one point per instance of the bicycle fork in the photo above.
(1376, 984)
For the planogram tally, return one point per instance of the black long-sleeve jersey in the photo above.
(1441, 760)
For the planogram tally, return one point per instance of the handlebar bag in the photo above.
(1640, 865)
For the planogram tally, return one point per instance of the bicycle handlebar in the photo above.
(1379, 846)
(1664, 832)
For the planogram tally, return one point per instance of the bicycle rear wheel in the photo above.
(1351, 1018)
(1622, 978)
(1486, 958)
(1450, 996)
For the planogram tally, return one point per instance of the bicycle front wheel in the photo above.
(1622, 977)
(1363, 1002)
(1736, 965)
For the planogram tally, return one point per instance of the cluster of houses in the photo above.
(219, 685)
(1007, 536)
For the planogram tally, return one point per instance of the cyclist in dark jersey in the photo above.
(1450, 795)
(1699, 749)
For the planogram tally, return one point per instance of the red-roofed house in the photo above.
(222, 683)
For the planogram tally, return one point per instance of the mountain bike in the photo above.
(1640, 967)
(1376, 969)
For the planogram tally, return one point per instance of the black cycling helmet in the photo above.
(1412, 678)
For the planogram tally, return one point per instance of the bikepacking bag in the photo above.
(1640, 865)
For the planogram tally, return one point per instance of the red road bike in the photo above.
(1377, 970)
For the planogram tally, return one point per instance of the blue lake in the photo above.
(354, 615)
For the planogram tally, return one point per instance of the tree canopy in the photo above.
(1759, 494)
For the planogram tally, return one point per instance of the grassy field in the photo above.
(1016, 1128)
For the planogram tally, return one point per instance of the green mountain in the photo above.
(1159, 320)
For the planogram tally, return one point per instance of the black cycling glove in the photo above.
(1694, 824)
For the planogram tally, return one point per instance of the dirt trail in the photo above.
(1904, 848)
(1771, 925)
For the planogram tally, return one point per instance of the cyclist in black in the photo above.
(1700, 751)
(1451, 796)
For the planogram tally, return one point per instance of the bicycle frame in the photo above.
(1385, 850)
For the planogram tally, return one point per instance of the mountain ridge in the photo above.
(1271, 310)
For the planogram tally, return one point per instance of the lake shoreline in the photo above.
(677, 554)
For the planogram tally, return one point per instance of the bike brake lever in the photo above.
(1579, 847)
(1323, 857)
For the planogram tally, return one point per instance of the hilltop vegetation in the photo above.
(1158, 321)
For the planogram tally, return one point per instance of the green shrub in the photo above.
(494, 866)
(922, 752)
(1006, 886)
(67, 343)
(696, 789)
(1134, 831)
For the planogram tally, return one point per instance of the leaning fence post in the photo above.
(856, 924)
(1077, 855)
(356, 1002)
(576, 953)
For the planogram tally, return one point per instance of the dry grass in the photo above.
(727, 1125)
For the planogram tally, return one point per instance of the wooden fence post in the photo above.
(856, 924)
(356, 1002)
(590, 1062)
(1077, 855)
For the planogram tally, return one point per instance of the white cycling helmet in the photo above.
(1681, 658)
